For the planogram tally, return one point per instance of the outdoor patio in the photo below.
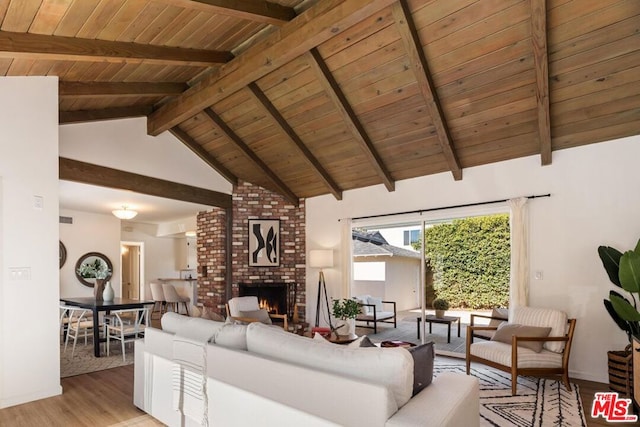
(407, 331)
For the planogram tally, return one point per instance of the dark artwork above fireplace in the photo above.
(274, 297)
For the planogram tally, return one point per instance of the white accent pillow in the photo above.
(367, 311)
(377, 302)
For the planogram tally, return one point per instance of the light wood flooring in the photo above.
(105, 398)
(98, 399)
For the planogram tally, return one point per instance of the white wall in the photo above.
(594, 201)
(29, 334)
(125, 145)
(89, 233)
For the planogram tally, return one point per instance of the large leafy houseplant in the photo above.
(624, 272)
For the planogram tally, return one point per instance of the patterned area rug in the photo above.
(83, 360)
(539, 403)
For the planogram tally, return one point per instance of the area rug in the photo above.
(539, 403)
(83, 360)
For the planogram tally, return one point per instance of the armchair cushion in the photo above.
(262, 315)
(364, 309)
(507, 330)
(545, 317)
(500, 353)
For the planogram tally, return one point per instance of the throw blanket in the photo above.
(190, 373)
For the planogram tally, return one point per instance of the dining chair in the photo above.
(122, 329)
(172, 297)
(157, 295)
(78, 323)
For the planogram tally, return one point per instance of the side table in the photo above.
(448, 320)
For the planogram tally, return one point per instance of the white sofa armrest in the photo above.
(452, 399)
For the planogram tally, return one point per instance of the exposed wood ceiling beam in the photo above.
(541, 66)
(332, 89)
(252, 10)
(198, 150)
(248, 152)
(37, 46)
(118, 89)
(314, 26)
(302, 148)
(87, 173)
(81, 116)
(411, 41)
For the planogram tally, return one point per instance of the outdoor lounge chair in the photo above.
(372, 311)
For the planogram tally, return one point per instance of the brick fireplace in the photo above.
(250, 202)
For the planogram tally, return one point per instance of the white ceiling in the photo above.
(102, 200)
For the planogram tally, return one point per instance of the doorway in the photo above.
(132, 257)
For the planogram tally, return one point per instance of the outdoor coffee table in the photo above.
(448, 320)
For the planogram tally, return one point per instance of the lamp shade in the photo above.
(124, 213)
(320, 258)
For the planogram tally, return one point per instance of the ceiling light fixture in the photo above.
(124, 213)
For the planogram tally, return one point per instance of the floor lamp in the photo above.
(321, 258)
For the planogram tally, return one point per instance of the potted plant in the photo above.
(345, 311)
(624, 272)
(440, 305)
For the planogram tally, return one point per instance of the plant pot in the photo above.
(620, 365)
(440, 314)
(345, 327)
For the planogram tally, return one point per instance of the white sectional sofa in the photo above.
(259, 375)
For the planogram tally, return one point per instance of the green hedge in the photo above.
(470, 260)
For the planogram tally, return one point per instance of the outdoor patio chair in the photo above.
(372, 311)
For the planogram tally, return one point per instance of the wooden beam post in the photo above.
(314, 26)
(81, 116)
(251, 10)
(311, 160)
(411, 41)
(87, 173)
(333, 91)
(541, 66)
(118, 89)
(248, 152)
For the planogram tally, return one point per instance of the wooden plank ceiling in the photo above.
(309, 97)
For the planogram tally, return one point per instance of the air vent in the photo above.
(66, 220)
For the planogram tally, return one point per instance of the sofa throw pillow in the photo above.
(507, 330)
(262, 315)
(423, 356)
(362, 341)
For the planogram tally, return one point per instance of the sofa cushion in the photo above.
(390, 367)
(207, 313)
(232, 336)
(506, 331)
(171, 321)
(545, 317)
(501, 353)
(423, 356)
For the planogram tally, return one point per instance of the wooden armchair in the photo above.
(247, 309)
(516, 357)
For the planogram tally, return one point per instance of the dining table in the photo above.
(96, 306)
